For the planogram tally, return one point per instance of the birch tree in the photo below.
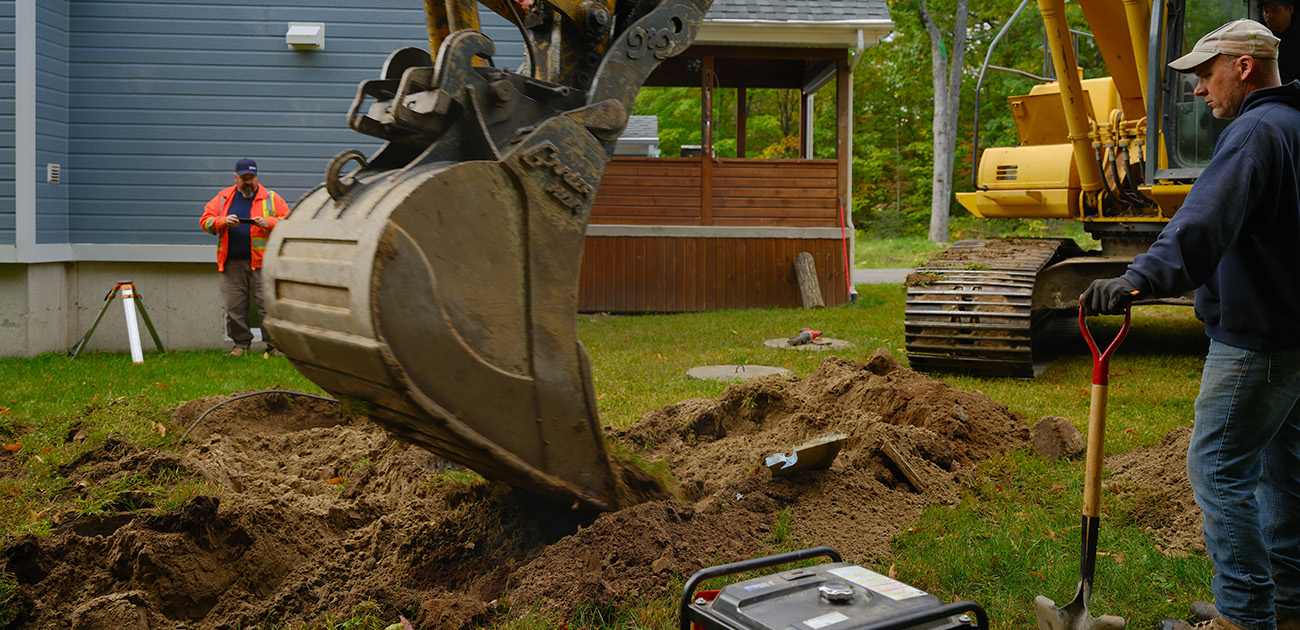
(946, 75)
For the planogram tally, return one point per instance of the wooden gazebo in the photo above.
(674, 234)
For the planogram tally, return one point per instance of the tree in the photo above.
(947, 101)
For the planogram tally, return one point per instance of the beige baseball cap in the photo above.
(1243, 37)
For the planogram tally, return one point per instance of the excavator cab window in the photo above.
(1191, 129)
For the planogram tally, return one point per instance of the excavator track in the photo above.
(971, 309)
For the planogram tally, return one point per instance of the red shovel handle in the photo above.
(1101, 360)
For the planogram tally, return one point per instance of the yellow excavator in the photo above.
(1117, 153)
(434, 283)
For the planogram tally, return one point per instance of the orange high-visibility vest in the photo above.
(265, 203)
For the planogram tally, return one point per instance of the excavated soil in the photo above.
(313, 511)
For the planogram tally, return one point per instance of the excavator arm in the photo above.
(435, 283)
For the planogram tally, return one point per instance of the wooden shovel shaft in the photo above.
(1096, 453)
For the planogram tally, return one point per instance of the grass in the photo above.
(909, 252)
(1014, 534)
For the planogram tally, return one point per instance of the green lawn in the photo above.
(1014, 534)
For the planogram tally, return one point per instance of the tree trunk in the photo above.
(810, 290)
(947, 101)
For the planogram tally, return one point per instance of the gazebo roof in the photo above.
(805, 23)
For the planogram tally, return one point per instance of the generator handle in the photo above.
(688, 591)
(934, 614)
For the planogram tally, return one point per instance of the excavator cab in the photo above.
(434, 283)
(1191, 129)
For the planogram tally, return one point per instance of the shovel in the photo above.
(1075, 615)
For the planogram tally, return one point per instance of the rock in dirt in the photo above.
(1056, 437)
(315, 511)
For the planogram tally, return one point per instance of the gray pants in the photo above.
(239, 281)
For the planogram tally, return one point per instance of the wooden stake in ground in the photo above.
(810, 290)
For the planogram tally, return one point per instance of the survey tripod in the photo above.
(130, 296)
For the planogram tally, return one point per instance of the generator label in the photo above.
(889, 587)
(825, 620)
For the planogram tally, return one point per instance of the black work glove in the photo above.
(1107, 296)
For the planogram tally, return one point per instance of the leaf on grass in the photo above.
(337, 481)
(1038, 575)
(162, 430)
(38, 458)
(1051, 533)
(15, 491)
(159, 385)
(15, 447)
(893, 571)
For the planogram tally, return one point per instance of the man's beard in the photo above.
(247, 190)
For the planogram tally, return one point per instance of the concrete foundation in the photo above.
(49, 307)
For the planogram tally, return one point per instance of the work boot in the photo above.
(272, 352)
(1203, 611)
(237, 351)
(1216, 623)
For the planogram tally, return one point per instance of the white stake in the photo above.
(132, 327)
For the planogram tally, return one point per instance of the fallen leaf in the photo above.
(162, 430)
(893, 571)
(38, 458)
(15, 492)
(160, 385)
(338, 481)
(13, 447)
(1038, 575)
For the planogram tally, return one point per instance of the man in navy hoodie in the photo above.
(1236, 241)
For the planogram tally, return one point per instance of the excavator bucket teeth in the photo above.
(445, 297)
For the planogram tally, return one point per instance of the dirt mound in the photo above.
(319, 511)
(1156, 479)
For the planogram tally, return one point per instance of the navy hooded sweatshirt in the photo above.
(1236, 239)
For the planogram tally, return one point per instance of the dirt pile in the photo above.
(1156, 478)
(319, 511)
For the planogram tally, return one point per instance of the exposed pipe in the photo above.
(1072, 97)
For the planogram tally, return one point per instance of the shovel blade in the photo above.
(1072, 616)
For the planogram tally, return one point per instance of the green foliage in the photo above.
(8, 598)
(893, 111)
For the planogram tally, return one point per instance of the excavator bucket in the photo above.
(436, 284)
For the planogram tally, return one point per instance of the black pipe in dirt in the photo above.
(248, 395)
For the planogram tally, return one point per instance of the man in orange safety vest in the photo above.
(243, 216)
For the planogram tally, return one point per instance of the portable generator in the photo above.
(831, 596)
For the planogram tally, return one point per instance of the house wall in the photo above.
(146, 106)
(6, 123)
(51, 118)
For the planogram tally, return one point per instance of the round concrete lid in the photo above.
(821, 343)
(732, 372)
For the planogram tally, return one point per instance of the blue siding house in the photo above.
(119, 119)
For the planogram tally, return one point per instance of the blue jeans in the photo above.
(1244, 465)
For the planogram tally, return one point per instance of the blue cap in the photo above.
(245, 167)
